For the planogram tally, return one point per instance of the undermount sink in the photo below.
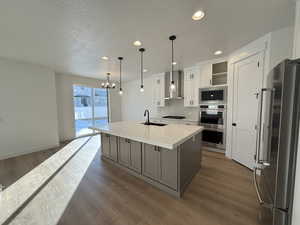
(155, 124)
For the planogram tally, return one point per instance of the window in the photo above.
(90, 108)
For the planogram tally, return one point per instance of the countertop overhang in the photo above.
(169, 136)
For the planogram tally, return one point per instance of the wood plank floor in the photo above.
(14, 168)
(222, 193)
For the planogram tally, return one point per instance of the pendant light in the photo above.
(108, 84)
(142, 69)
(121, 90)
(172, 86)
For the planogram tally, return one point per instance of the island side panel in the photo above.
(190, 160)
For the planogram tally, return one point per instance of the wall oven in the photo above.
(213, 95)
(213, 119)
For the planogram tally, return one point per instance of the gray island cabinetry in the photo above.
(167, 163)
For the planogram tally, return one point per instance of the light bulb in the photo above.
(137, 43)
(198, 15)
(174, 63)
(172, 86)
(120, 92)
(113, 85)
(142, 88)
(219, 52)
(102, 84)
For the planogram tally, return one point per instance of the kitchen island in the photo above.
(166, 156)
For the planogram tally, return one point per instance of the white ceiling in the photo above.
(70, 36)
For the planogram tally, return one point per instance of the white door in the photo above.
(248, 76)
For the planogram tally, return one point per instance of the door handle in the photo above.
(258, 193)
(258, 139)
(234, 124)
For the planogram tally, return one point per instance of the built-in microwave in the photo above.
(213, 95)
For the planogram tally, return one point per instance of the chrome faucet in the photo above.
(148, 120)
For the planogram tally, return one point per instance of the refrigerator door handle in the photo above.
(258, 142)
(258, 193)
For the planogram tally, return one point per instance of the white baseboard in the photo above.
(2, 157)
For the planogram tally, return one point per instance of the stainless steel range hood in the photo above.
(176, 93)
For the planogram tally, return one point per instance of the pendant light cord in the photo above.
(142, 78)
(172, 60)
(142, 62)
(120, 74)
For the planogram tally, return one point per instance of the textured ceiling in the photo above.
(70, 36)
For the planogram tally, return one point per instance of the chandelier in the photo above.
(108, 84)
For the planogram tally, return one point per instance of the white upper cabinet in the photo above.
(191, 86)
(159, 90)
(205, 75)
(213, 74)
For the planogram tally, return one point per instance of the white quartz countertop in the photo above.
(169, 136)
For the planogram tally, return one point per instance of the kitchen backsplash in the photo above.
(176, 108)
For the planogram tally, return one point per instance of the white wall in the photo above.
(135, 102)
(296, 210)
(64, 88)
(28, 112)
(281, 46)
(276, 46)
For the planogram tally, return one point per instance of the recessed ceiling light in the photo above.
(174, 63)
(145, 70)
(219, 52)
(104, 57)
(198, 15)
(137, 43)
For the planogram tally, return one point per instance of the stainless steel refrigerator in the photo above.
(277, 143)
